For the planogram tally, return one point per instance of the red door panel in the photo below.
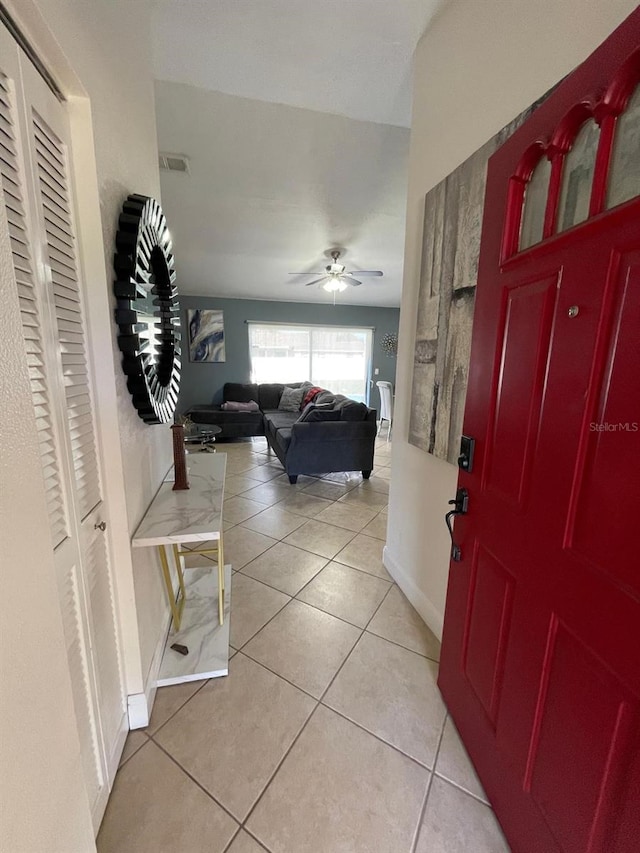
(601, 521)
(490, 607)
(524, 352)
(541, 649)
(576, 686)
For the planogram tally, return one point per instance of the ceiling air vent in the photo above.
(174, 163)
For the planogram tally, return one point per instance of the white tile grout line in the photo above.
(362, 630)
(355, 485)
(255, 838)
(463, 789)
(251, 835)
(242, 823)
(195, 781)
(306, 584)
(179, 708)
(328, 612)
(406, 648)
(292, 598)
(423, 810)
(378, 737)
(322, 557)
(431, 771)
(151, 737)
(315, 698)
(295, 598)
(336, 712)
(328, 560)
(282, 677)
(271, 618)
(304, 523)
(305, 724)
(129, 757)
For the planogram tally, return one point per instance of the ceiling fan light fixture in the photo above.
(334, 285)
(336, 277)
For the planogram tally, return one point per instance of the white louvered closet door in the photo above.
(36, 192)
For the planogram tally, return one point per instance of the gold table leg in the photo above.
(176, 555)
(176, 603)
(221, 589)
(219, 552)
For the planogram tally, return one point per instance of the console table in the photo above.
(200, 604)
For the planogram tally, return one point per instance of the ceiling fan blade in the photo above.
(353, 281)
(316, 280)
(313, 272)
(365, 272)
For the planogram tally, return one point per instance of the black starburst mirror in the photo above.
(147, 312)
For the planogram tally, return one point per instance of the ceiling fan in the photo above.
(336, 277)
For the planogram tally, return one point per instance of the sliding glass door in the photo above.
(333, 357)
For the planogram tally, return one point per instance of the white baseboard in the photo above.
(138, 711)
(113, 760)
(427, 610)
(140, 705)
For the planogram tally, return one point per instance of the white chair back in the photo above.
(386, 400)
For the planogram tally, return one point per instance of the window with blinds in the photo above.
(14, 202)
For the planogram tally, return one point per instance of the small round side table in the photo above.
(203, 440)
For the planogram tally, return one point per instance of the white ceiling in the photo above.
(272, 188)
(294, 114)
(349, 57)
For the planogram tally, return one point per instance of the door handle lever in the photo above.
(460, 507)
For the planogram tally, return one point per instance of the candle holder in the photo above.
(181, 481)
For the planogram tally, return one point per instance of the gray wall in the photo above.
(202, 383)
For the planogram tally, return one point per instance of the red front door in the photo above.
(541, 650)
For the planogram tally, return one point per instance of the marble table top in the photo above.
(190, 515)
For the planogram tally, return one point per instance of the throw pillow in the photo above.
(232, 406)
(290, 399)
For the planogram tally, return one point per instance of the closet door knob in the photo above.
(102, 525)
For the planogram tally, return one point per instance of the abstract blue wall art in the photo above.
(206, 335)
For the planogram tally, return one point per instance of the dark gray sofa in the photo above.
(232, 424)
(345, 443)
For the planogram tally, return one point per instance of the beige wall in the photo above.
(478, 65)
(100, 49)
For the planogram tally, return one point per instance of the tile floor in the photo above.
(329, 734)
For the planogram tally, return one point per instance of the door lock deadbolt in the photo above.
(467, 450)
